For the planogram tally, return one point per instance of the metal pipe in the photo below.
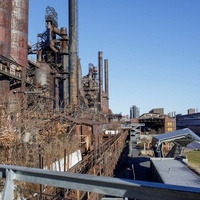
(39, 56)
(100, 64)
(56, 30)
(73, 86)
(51, 29)
(106, 77)
(106, 83)
(65, 60)
(52, 46)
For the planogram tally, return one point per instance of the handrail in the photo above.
(97, 184)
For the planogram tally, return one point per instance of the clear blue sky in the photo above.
(153, 48)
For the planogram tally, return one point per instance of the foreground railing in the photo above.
(97, 184)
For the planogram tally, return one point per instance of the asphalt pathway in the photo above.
(133, 167)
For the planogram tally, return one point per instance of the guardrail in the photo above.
(97, 184)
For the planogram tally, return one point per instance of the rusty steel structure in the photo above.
(100, 64)
(51, 90)
(56, 73)
(5, 30)
(19, 36)
(73, 69)
(100, 162)
(5, 27)
(13, 41)
(90, 86)
(19, 32)
(106, 102)
(106, 76)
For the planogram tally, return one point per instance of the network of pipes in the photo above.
(56, 73)
(49, 113)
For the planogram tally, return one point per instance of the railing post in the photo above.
(8, 192)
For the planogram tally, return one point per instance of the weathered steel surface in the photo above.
(106, 77)
(19, 31)
(65, 58)
(5, 18)
(4, 84)
(44, 79)
(106, 85)
(100, 64)
(73, 86)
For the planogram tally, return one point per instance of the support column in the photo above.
(8, 192)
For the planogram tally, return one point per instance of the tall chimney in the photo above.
(106, 77)
(19, 35)
(65, 61)
(100, 64)
(5, 27)
(5, 37)
(73, 82)
(19, 31)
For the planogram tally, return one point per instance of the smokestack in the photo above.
(100, 64)
(19, 31)
(73, 82)
(19, 35)
(65, 60)
(5, 29)
(106, 85)
(106, 77)
(5, 37)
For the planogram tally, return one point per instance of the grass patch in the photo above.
(193, 157)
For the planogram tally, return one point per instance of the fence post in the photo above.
(8, 192)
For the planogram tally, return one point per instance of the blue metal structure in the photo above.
(181, 138)
(191, 121)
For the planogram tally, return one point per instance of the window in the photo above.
(169, 124)
(169, 129)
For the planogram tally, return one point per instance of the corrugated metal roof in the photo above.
(175, 172)
(183, 137)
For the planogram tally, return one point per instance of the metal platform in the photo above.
(175, 172)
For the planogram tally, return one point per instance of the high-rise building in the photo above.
(134, 112)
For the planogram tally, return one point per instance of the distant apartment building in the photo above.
(134, 112)
(191, 111)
